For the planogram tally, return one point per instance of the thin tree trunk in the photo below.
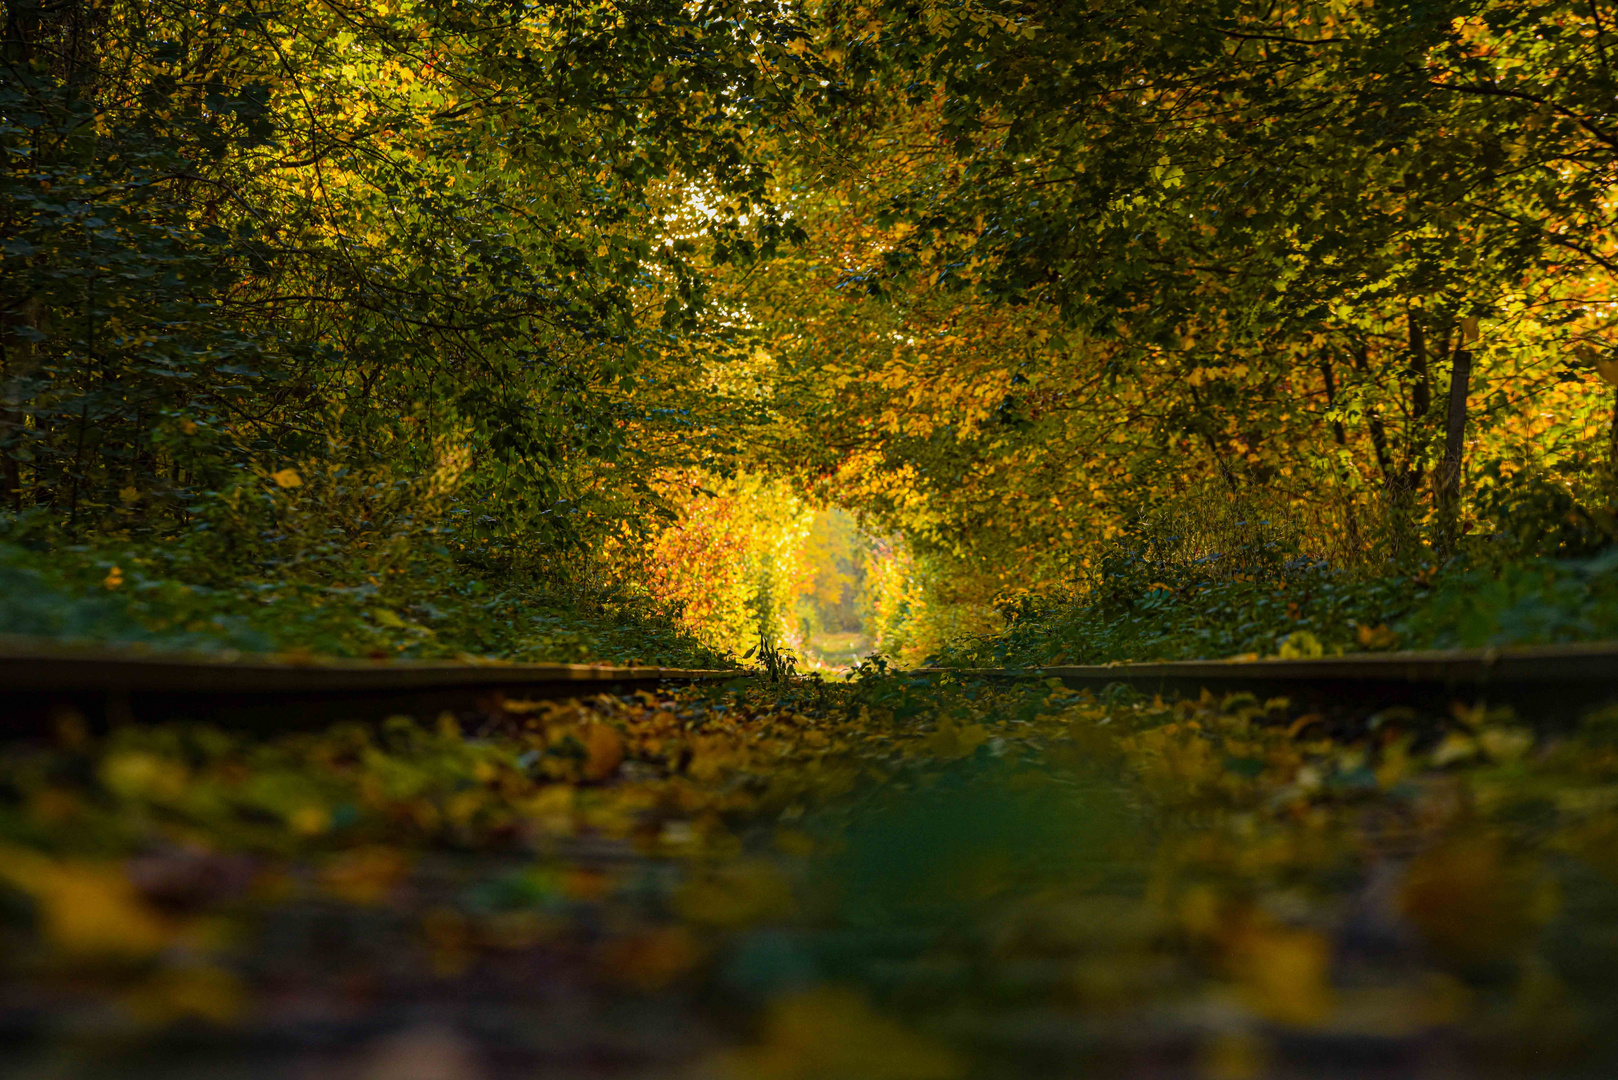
(1337, 430)
(1373, 419)
(1421, 386)
(1421, 400)
(1340, 434)
(1449, 480)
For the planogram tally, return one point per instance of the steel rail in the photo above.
(113, 684)
(1547, 679)
(109, 684)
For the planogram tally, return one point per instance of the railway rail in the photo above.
(1549, 681)
(110, 685)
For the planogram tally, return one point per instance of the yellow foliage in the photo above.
(1284, 973)
(733, 560)
(604, 751)
(831, 1032)
(89, 909)
(955, 740)
(141, 774)
(1301, 645)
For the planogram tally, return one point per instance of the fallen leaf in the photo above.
(88, 909)
(604, 749)
(830, 1033)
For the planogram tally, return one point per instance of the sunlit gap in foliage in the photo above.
(748, 557)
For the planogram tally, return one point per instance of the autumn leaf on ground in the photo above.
(832, 1032)
(89, 909)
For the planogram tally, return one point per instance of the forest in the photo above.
(828, 341)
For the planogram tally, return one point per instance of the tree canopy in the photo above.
(998, 277)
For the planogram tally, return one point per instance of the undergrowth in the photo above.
(432, 608)
(1544, 570)
(345, 555)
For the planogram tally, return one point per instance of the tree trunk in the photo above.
(1449, 479)
(1421, 387)
(1373, 418)
(1340, 434)
(1421, 400)
(1337, 430)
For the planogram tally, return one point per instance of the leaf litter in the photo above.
(890, 879)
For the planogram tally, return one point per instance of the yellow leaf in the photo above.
(1376, 637)
(309, 820)
(1301, 645)
(605, 748)
(114, 578)
(287, 478)
(1506, 744)
(87, 909)
(831, 1032)
(137, 774)
(384, 617)
(1284, 975)
(952, 741)
(1455, 747)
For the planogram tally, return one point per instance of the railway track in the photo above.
(112, 685)
(1549, 681)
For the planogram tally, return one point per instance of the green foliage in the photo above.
(1527, 513)
(241, 239)
(1193, 616)
(427, 607)
(319, 300)
(1534, 602)
(779, 663)
(1188, 584)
